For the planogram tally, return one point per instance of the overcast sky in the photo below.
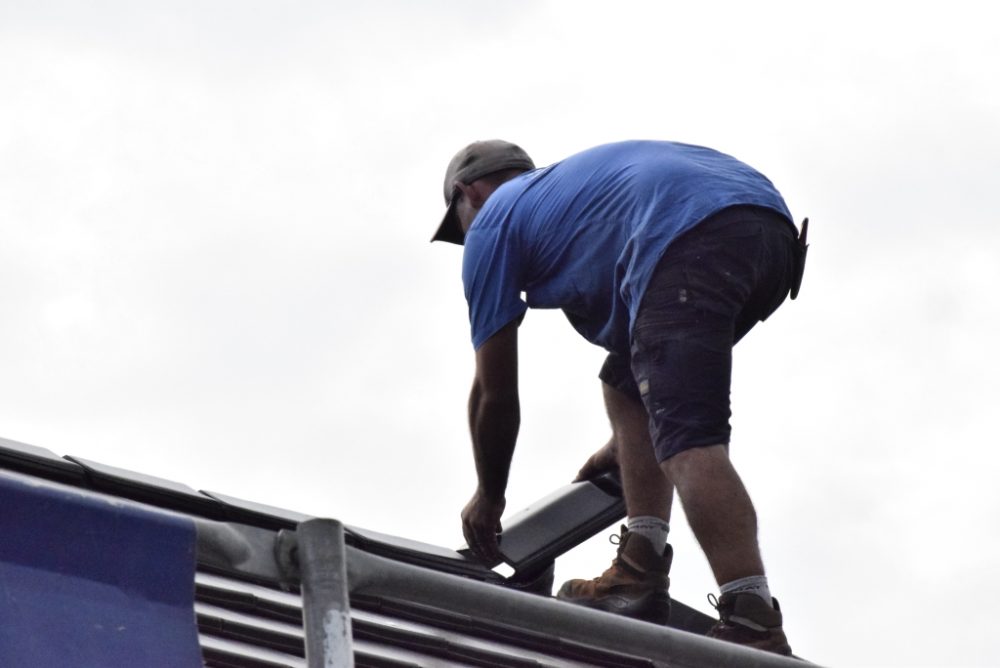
(215, 268)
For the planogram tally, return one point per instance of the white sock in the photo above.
(651, 527)
(755, 584)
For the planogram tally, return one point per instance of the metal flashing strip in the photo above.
(34, 460)
(420, 554)
(557, 523)
(686, 618)
(257, 514)
(394, 547)
(148, 489)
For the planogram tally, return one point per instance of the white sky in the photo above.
(214, 268)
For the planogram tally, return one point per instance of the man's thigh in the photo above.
(682, 364)
(709, 289)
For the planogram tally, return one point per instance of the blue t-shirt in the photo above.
(585, 234)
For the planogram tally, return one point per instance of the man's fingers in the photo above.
(591, 468)
(585, 470)
(482, 541)
(480, 526)
(602, 461)
(490, 548)
(470, 537)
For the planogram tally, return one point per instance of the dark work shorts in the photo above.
(712, 285)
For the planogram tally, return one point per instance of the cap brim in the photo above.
(450, 229)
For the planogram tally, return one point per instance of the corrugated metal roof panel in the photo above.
(259, 616)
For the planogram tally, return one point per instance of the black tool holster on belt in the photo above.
(800, 260)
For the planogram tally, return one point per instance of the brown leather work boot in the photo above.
(747, 619)
(635, 585)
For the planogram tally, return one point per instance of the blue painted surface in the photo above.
(87, 580)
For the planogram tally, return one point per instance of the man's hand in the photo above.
(481, 524)
(602, 461)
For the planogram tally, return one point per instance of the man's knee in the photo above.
(692, 463)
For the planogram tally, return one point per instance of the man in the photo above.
(665, 254)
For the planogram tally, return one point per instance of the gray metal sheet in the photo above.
(521, 648)
(40, 461)
(222, 651)
(237, 507)
(557, 523)
(147, 488)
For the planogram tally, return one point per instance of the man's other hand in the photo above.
(481, 524)
(602, 461)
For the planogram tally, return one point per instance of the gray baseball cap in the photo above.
(478, 159)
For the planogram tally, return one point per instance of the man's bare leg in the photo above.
(637, 583)
(723, 520)
(718, 510)
(647, 490)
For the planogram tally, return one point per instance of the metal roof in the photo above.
(405, 603)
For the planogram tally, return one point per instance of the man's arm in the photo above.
(494, 419)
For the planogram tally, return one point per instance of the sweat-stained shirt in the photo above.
(584, 234)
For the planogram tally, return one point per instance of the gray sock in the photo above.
(755, 584)
(651, 527)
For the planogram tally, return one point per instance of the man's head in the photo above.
(472, 176)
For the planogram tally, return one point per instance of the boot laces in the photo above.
(618, 562)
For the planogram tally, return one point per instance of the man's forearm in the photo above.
(494, 421)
